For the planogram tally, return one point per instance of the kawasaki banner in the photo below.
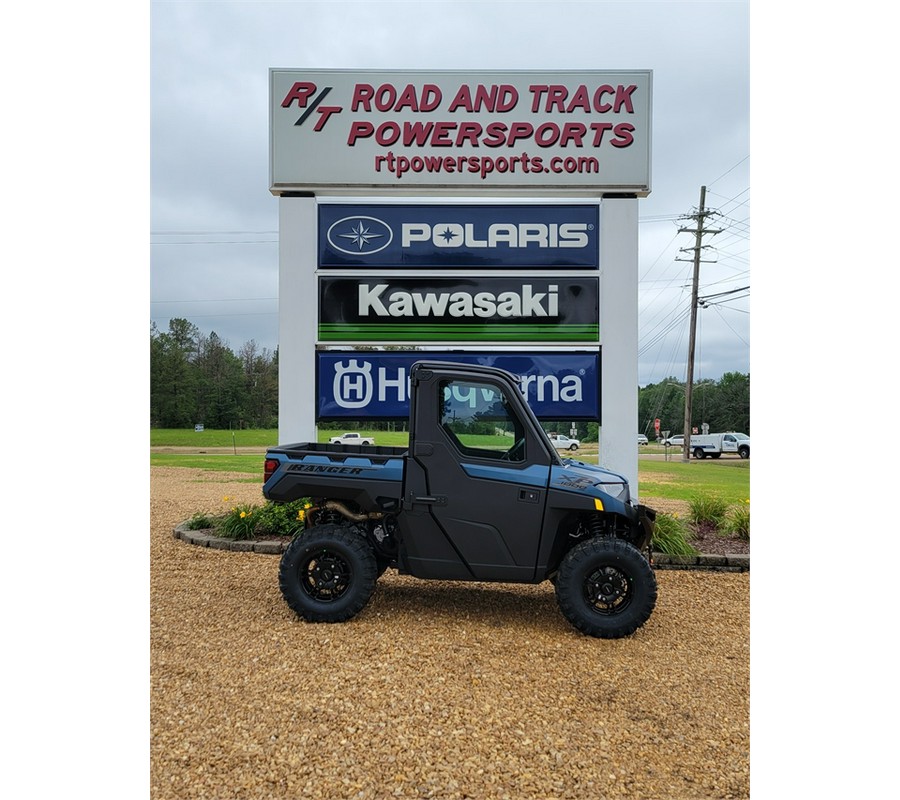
(375, 385)
(548, 237)
(426, 309)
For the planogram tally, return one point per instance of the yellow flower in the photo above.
(226, 499)
(301, 514)
(243, 514)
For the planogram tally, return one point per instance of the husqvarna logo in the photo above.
(352, 384)
(360, 235)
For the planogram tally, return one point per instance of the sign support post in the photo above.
(619, 336)
(297, 318)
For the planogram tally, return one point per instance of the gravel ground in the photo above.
(436, 689)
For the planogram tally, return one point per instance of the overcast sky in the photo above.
(214, 252)
(76, 206)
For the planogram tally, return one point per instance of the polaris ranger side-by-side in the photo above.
(480, 494)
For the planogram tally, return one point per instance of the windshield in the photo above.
(741, 436)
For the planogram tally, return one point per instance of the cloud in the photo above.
(209, 137)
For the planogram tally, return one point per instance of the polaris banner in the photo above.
(459, 236)
(375, 385)
(451, 310)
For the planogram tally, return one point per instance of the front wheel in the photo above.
(606, 588)
(744, 452)
(573, 447)
(328, 574)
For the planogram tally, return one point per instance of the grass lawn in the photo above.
(185, 437)
(728, 478)
(251, 464)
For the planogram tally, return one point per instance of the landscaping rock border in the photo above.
(203, 538)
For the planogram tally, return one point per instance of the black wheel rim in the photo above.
(325, 576)
(608, 590)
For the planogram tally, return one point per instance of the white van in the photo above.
(714, 444)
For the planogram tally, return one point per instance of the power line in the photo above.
(213, 233)
(729, 170)
(219, 300)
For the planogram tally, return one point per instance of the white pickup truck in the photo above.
(561, 442)
(714, 444)
(351, 438)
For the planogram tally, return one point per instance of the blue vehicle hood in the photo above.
(573, 469)
(590, 481)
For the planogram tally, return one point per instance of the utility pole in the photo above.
(698, 232)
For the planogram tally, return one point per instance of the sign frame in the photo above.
(476, 236)
(535, 133)
(590, 360)
(455, 310)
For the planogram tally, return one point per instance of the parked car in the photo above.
(642, 439)
(674, 441)
(351, 438)
(561, 442)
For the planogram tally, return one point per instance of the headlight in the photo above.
(617, 490)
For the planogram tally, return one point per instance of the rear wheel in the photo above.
(328, 574)
(606, 588)
(699, 452)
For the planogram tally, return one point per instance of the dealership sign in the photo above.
(375, 385)
(458, 236)
(525, 132)
(459, 310)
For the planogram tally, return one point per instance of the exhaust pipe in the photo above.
(334, 505)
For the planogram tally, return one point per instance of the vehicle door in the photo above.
(480, 466)
(729, 444)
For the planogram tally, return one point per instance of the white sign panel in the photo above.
(534, 133)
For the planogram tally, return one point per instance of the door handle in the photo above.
(431, 500)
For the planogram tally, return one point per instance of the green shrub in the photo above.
(670, 536)
(708, 511)
(239, 523)
(247, 521)
(738, 523)
(201, 521)
(282, 519)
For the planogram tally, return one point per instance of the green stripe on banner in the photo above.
(559, 333)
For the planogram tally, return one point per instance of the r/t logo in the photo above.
(353, 384)
(302, 91)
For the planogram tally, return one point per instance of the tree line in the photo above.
(196, 378)
(723, 404)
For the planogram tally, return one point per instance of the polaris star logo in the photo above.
(360, 235)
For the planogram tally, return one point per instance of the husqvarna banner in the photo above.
(459, 310)
(531, 132)
(458, 236)
(375, 385)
